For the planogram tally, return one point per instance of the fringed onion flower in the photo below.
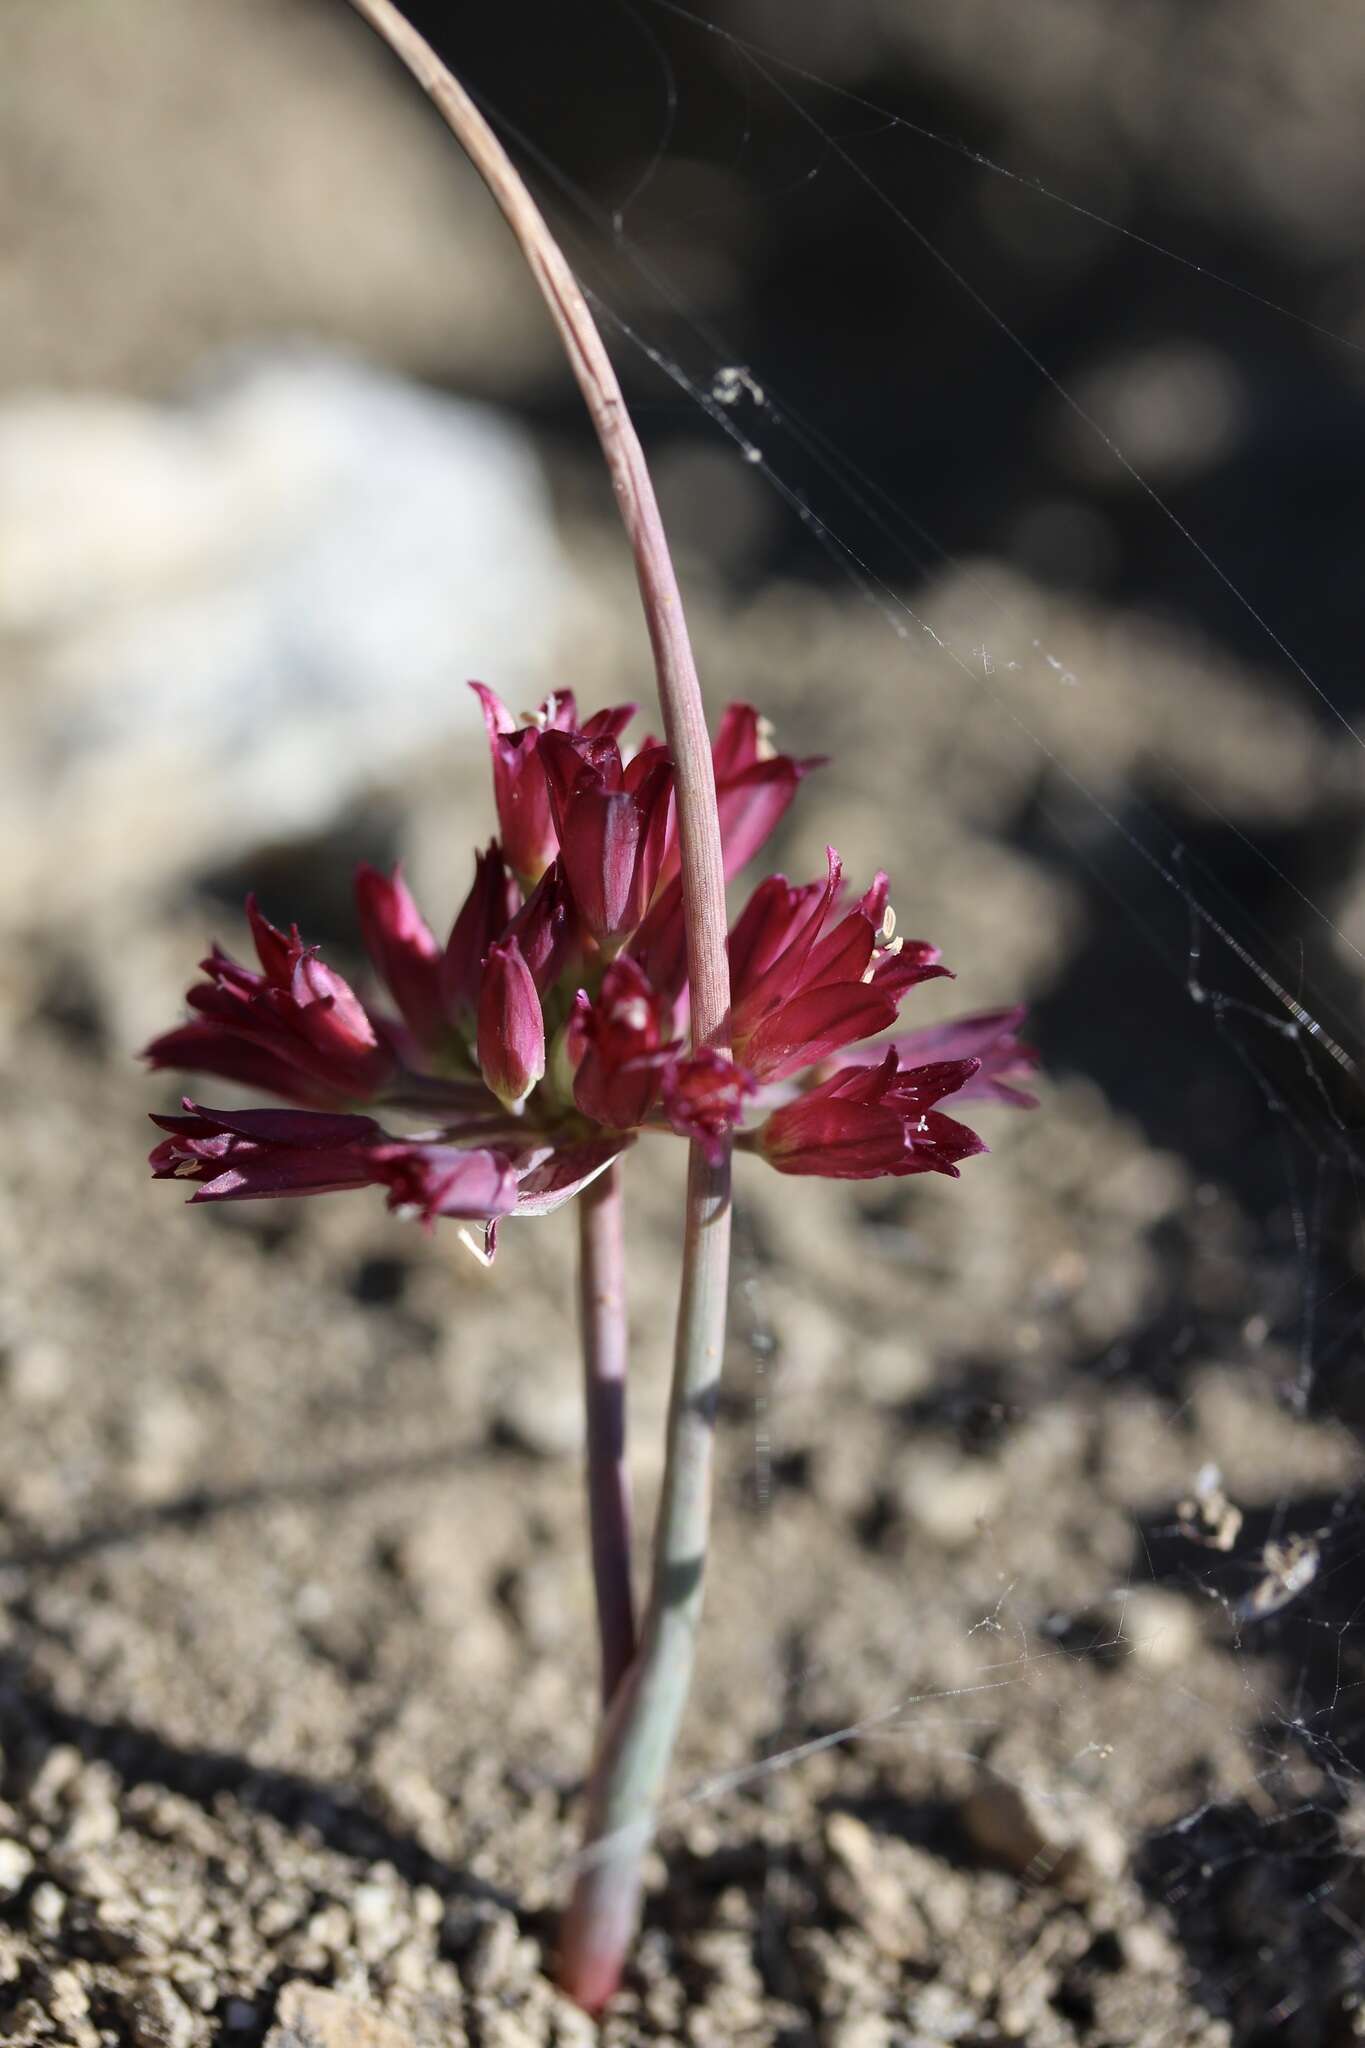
(549, 1032)
(557, 1025)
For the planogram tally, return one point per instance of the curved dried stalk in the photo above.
(642, 1725)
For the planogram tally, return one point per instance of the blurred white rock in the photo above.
(223, 621)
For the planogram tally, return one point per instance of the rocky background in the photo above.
(1029, 1703)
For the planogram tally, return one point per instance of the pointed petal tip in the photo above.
(496, 717)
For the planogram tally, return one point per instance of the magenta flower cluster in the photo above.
(549, 1031)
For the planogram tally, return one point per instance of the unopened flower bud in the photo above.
(511, 1026)
(483, 917)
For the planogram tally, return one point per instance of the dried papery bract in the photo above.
(640, 1732)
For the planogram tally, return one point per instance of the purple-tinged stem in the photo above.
(602, 1315)
(680, 698)
(637, 1742)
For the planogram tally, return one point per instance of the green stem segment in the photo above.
(643, 1722)
(642, 1725)
(602, 1317)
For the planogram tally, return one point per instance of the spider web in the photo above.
(1210, 992)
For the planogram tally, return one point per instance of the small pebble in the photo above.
(571, 2026)
(1160, 1630)
(160, 2019)
(870, 1879)
(488, 1958)
(947, 1498)
(60, 1768)
(942, 2015)
(330, 1928)
(534, 1596)
(379, 1920)
(46, 1909)
(16, 1866)
(864, 2030)
(307, 2017)
(545, 1421)
(65, 1997)
(36, 1374)
(1064, 1839)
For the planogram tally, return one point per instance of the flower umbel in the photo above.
(548, 1033)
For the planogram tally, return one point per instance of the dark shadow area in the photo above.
(1267, 1908)
(817, 239)
(31, 1723)
(1160, 1006)
(1292, 1590)
(204, 1506)
(975, 1408)
(1267, 1896)
(1156, 1005)
(379, 1281)
(309, 881)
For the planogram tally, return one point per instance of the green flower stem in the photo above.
(642, 1725)
(643, 1722)
(602, 1313)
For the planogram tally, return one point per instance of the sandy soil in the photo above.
(1004, 1732)
(295, 1668)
